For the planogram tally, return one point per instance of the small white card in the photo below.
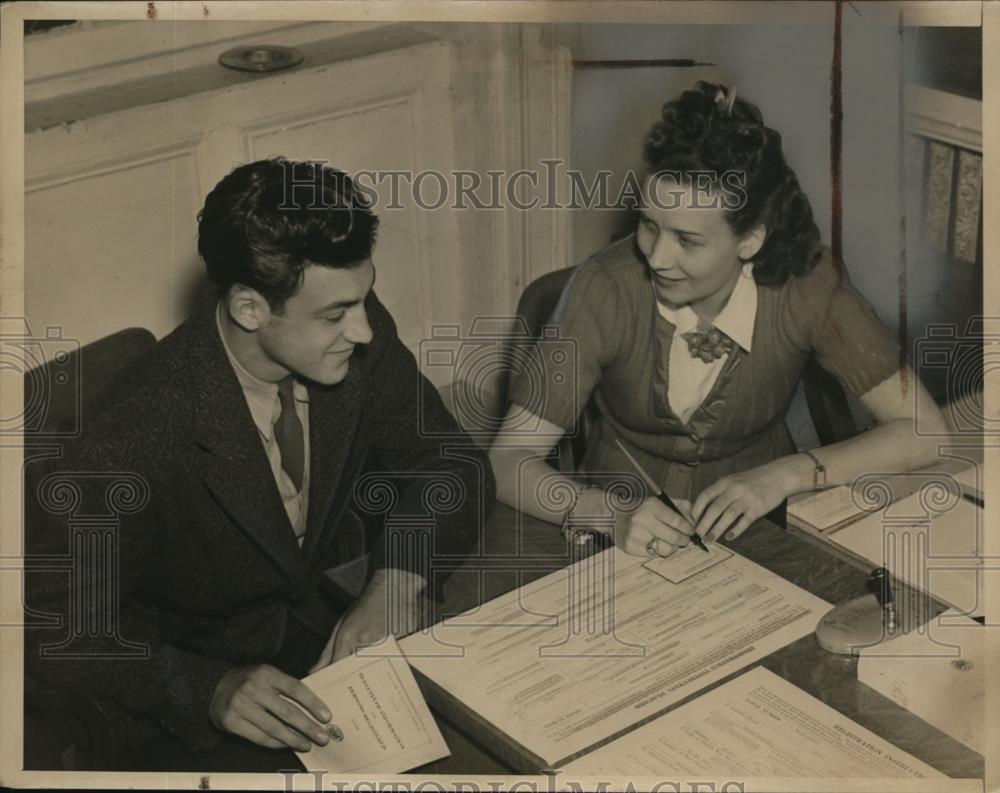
(826, 510)
(380, 719)
(688, 561)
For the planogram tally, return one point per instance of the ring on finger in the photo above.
(651, 546)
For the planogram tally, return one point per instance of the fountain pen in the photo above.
(658, 492)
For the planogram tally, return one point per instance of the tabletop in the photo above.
(517, 548)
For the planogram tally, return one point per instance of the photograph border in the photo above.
(12, 252)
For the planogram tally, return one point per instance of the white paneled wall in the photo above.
(110, 243)
(383, 113)
(112, 198)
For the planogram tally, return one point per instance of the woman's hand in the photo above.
(635, 531)
(732, 503)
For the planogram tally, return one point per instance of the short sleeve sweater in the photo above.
(609, 341)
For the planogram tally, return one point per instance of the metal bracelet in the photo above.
(576, 536)
(819, 471)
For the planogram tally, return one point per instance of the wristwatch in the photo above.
(573, 534)
(819, 472)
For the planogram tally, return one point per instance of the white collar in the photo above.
(736, 319)
(262, 396)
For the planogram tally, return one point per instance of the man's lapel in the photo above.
(235, 468)
(334, 412)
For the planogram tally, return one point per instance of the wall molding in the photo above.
(79, 59)
(104, 166)
(548, 66)
(944, 116)
(530, 111)
(416, 72)
(323, 112)
(97, 71)
(479, 98)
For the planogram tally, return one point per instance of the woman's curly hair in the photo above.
(700, 132)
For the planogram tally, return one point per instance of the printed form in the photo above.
(758, 725)
(568, 661)
(939, 674)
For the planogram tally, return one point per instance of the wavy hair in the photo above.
(266, 221)
(705, 130)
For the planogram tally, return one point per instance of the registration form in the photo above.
(570, 660)
(757, 725)
(939, 674)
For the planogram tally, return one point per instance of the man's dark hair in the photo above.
(266, 221)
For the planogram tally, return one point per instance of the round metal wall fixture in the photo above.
(261, 58)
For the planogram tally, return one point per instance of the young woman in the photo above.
(692, 335)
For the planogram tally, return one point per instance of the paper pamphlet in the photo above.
(757, 725)
(825, 511)
(937, 673)
(569, 660)
(380, 720)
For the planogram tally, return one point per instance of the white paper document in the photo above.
(939, 674)
(757, 725)
(380, 720)
(825, 511)
(940, 553)
(584, 653)
(680, 566)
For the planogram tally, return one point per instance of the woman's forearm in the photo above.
(891, 447)
(524, 479)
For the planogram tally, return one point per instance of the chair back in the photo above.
(68, 729)
(540, 298)
(535, 308)
(60, 392)
(828, 405)
(478, 395)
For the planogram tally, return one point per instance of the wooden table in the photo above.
(517, 549)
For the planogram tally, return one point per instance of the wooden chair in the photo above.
(69, 729)
(89, 371)
(825, 397)
(535, 308)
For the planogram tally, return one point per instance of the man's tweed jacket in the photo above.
(208, 572)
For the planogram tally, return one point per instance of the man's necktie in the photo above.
(288, 433)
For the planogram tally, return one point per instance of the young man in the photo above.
(242, 435)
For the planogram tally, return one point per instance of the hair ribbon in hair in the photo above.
(725, 98)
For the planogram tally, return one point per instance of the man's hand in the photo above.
(248, 702)
(391, 604)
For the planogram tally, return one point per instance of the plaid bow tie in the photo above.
(709, 344)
